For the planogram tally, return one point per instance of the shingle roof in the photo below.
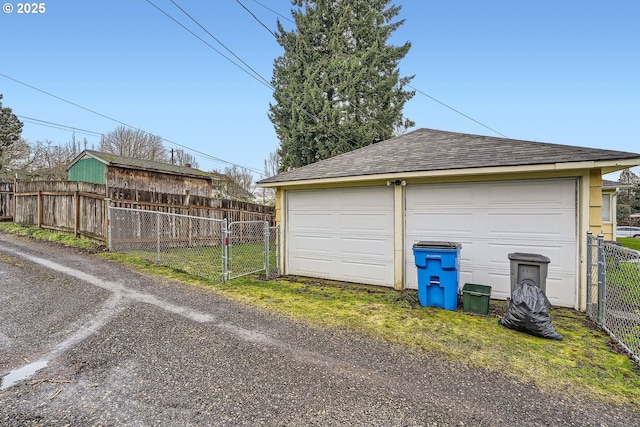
(132, 163)
(614, 184)
(432, 150)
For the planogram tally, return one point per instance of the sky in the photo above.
(560, 71)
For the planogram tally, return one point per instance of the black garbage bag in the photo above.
(528, 312)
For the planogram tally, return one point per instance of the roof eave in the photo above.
(607, 166)
(84, 154)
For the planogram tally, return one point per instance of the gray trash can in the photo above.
(529, 268)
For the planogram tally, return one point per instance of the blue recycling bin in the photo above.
(438, 265)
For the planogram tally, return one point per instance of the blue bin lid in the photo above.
(436, 245)
(520, 256)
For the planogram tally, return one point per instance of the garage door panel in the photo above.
(366, 247)
(369, 222)
(311, 221)
(536, 194)
(310, 202)
(312, 265)
(310, 244)
(360, 200)
(440, 222)
(372, 273)
(556, 292)
(533, 224)
(354, 237)
(441, 196)
(524, 216)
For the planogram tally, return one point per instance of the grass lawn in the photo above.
(584, 363)
(630, 242)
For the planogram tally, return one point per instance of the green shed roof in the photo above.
(145, 165)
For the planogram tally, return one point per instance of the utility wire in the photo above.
(263, 80)
(303, 110)
(457, 111)
(330, 130)
(64, 100)
(256, 18)
(271, 10)
(58, 126)
(220, 43)
(208, 156)
(258, 77)
(408, 85)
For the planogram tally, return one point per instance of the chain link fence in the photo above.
(204, 247)
(613, 291)
(249, 249)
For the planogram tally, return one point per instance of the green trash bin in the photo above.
(475, 298)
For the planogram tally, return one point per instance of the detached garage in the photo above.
(356, 216)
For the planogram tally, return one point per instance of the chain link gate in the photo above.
(247, 249)
(204, 247)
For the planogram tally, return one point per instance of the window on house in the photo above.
(606, 207)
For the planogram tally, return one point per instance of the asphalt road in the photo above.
(107, 346)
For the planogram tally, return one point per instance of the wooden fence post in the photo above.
(40, 210)
(106, 202)
(76, 207)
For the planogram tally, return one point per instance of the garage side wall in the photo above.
(595, 201)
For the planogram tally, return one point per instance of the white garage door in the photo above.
(493, 219)
(341, 234)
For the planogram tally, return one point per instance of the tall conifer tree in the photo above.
(337, 87)
(10, 128)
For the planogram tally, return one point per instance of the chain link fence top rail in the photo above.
(191, 244)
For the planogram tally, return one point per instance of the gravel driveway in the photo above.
(116, 348)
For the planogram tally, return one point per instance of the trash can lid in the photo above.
(437, 245)
(519, 256)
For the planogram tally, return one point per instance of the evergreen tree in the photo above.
(337, 87)
(629, 197)
(10, 128)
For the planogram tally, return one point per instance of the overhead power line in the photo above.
(58, 126)
(205, 155)
(457, 111)
(220, 43)
(256, 18)
(256, 77)
(271, 10)
(261, 79)
(408, 85)
(330, 130)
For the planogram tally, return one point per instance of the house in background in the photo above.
(153, 177)
(356, 216)
(610, 191)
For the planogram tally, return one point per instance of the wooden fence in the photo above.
(6, 200)
(81, 208)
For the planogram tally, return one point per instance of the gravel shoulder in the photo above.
(123, 349)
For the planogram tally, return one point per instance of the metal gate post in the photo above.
(589, 274)
(225, 250)
(109, 228)
(266, 249)
(602, 281)
(157, 237)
